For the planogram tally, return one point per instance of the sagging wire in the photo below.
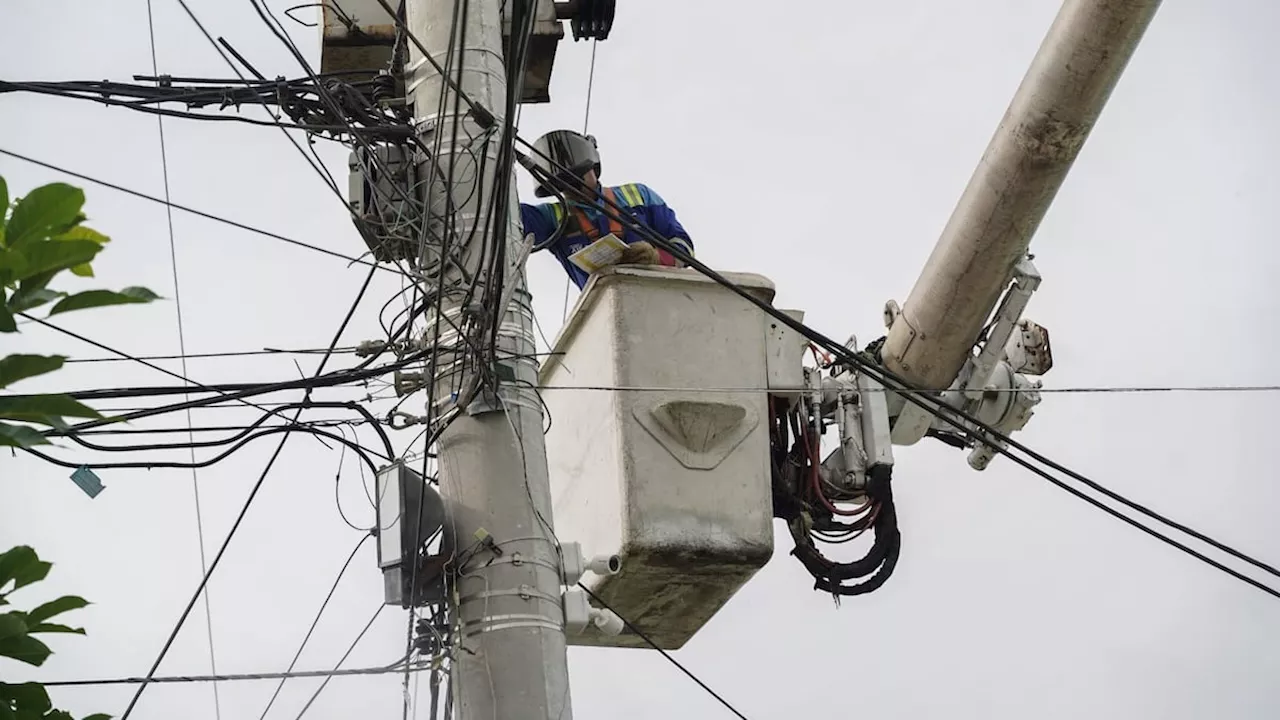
(358, 449)
(337, 487)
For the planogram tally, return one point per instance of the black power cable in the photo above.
(367, 418)
(331, 422)
(358, 449)
(182, 390)
(320, 381)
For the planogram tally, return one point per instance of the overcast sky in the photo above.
(821, 144)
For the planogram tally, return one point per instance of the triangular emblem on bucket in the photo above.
(698, 433)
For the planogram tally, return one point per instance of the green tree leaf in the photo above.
(83, 270)
(12, 624)
(59, 230)
(12, 264)
(20, 367)
(50, 207)
(28, 697)
(7, 323)
(55, 628)
(4, 208)
(21, 436)
(80, 232)
(25, 648)
(54, 608)
(98, 716)
(35, 572)
(28, 407)
(14, 560)
(103, 298)
(49, 257)
(23, 302)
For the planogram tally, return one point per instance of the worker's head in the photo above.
(571, 160)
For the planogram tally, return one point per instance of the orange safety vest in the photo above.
(589, 228)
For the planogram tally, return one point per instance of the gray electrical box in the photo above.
(376, 192)
(409, 513)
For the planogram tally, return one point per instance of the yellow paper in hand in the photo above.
(601, 253)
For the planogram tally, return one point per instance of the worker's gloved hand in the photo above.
(640, 253)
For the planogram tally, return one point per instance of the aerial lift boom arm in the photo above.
(1052, 113)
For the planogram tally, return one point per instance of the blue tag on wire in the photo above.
(88, 481)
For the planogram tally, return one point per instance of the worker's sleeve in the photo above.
(663, 219)
(540, 220)
(533, 219)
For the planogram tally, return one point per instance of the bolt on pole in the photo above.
(509, 661)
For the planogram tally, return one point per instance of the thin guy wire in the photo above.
(664, 653)
(182, 348)
(394, 667)
(285, 676)
(586, 122)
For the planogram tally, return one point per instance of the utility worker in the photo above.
(574, 169)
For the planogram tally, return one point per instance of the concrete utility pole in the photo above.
(1060, 99)
(511, 663)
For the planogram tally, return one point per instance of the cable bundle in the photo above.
(808, 503)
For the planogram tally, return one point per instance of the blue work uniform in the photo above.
(642, 203)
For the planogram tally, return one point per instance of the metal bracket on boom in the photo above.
(859, 406)
(1011, 346)
(993, 386)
